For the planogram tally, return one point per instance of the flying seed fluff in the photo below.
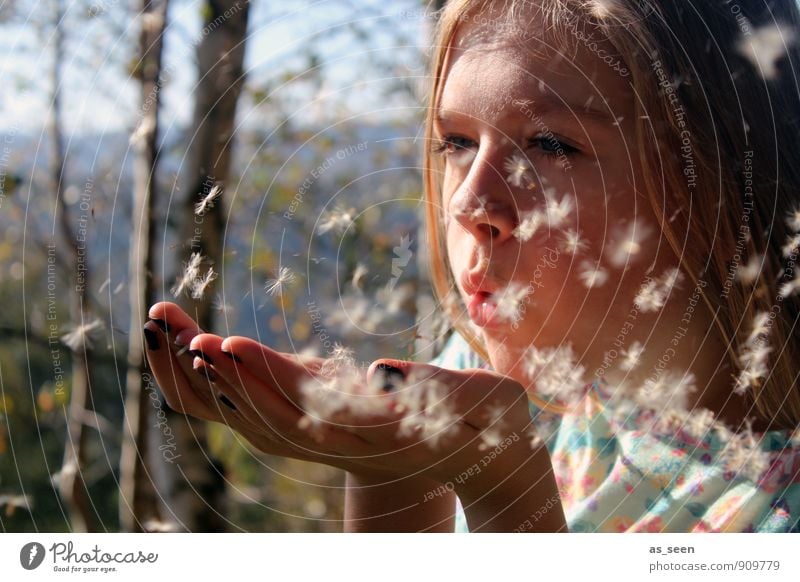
(695, 43)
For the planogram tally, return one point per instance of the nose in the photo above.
(483, 204)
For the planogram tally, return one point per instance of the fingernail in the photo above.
(199, 354)
(226, 402)
(207, 373)
(392, 376)
(161, 324)
(151, 339)
(233, 357)
(184, 337)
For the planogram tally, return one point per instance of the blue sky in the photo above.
(99, 98)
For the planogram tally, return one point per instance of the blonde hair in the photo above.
(737, 122)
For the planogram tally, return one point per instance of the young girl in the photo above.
(613, 224)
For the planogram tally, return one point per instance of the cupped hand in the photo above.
(436, 423)
(257, 397)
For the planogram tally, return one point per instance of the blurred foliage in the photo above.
(295, 122)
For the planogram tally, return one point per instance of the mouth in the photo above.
(482, 309)
(480, 298)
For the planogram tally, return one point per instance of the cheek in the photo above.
(458, 246)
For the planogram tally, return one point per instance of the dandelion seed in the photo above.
(573, 243)
(748, 274)
(667, 391)
(753, 355)
(650, 297)
(517, 168)
(81, 337)
(340, 389)
(628, 243)
(653, 294)
(200, 284)
(631, 356)
(191, 271)
(530, 223)
(276, 286)
(793, 220)
(760, 327)
(221, 306)
(592, 275)
(471, 206)
(510, 301)
(790, 248)
(765, 47)
(337, 220)
(208, 201)
(790, 288)
(493, 434)
(536, 440)
(429, 411)
(699, 423)
(480, 210)
(555, 372)
(559, 211)
(742, 454)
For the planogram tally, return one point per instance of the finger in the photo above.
(214, 364)
(174, 321)
(284, 373)
(264, 380)
(249, 387)
(172, 378)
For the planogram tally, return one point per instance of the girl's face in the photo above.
(543, 192)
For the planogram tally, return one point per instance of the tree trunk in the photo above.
(198, 497)
(138, 503)
(71, 483)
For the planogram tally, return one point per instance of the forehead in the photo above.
(496, 59)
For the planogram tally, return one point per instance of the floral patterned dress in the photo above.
(627, 476)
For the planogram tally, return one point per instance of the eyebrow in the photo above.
(529, 109)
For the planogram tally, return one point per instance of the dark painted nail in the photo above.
(226, 402)
(161, 324)
(199, 354)
(151, 339)
(207, 373)
(233, 357)
(392, 376)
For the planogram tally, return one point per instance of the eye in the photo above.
(452, 144)
(553, 147)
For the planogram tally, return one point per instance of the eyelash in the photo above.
(450, 140)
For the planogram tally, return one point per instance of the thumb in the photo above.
(473, 393)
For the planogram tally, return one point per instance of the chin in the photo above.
(505, 359)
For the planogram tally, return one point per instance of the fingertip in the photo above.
(205, 342)
(242, 346)
(159, 310)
